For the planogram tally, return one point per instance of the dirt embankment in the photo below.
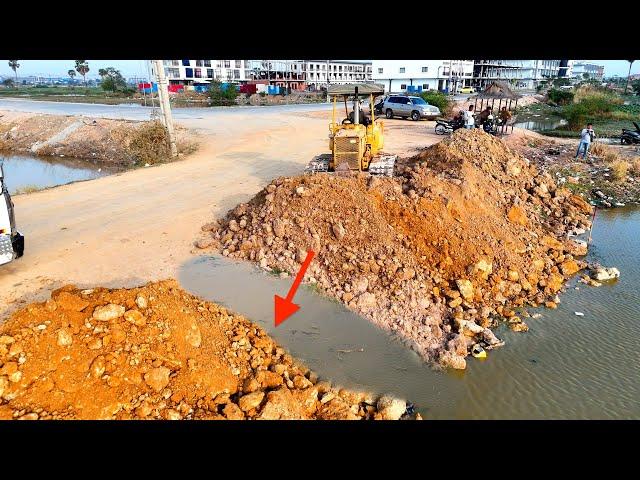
(158, 352)
(466, 233)
(120, 142)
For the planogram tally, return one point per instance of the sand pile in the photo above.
(157, 352)
(467, 231)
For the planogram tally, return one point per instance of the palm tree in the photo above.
(82, 67)
(628, 76)
(15, 66)
(102, 72)
(71, 73)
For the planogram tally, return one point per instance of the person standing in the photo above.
(469, 121)
(586, 137)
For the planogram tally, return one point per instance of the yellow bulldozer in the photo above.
(356, 142)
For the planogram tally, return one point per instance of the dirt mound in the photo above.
(465, 232)
(156, 352)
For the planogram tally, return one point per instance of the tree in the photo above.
(585, 75)
(112, 79)
(14, 66)
(71, 73)
(82, 67)
(636, 86)
(8, 82)
(628, 76)
(221, 95)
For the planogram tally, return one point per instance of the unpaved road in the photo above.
(138, 226)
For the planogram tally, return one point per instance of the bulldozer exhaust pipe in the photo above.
(356, 109)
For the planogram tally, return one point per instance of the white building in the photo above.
(323, 72)
(593, 71)
(399, 75)
(189, 72)
(520, 73)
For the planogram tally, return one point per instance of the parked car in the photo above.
(467, 90)
(408, 107)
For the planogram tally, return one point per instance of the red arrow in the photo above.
(284, 307)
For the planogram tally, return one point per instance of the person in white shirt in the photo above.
(586, 137)
(469, 121)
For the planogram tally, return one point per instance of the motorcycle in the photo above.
(449, 126)
(490, 126)
(629, 137)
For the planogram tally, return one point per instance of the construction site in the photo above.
(448, 246)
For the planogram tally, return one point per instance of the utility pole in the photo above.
(328, 98)
(165, 107)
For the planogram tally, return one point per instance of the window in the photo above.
(198, 63)
(175, 63)
(219, 63)
(227, 64)
(238, 63)
(323, 67)
(209, 72)
(189, 72)
(207, 63)
(186, 63)
(403, 86)
(198, 73)
(425, 86)
(173, 72)
(218, 73)
(425, 69)
(236, 74)
(401, 69)
(311, 67)
(380, 70)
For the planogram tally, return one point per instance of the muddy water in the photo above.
(565, 367)
(30, 172)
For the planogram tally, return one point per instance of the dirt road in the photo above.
(138, 226)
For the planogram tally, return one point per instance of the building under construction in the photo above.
(522, 74)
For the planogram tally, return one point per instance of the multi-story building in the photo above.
(520, 73)
(321, 73)
(193, 72)
(444, 75)
(593, 71)
(290, 74)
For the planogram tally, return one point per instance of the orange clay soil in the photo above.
(158, 352)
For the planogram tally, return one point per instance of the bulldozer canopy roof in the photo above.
(350, 89)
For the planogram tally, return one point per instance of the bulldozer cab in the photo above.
(356, 139)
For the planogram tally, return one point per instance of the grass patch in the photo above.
(619, 170)
(150, 143)
(635, 166)
(28, 189)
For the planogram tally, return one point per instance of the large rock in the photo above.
(366, 300)
(569, 267)
(68, 301)
(482, 268)
(603, 274)
(391, 408)
(281, 405)
(577, 248)
(450, 360)
(157, 378)
(193, 335)
(250, 401)
(338, 230)
(135, 317)
(465, 287)
(517, 215)
(108, 312)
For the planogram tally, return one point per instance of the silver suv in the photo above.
(405, 106)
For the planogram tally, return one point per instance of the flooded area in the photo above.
(538, 123)
(566, 367)
(26, 173)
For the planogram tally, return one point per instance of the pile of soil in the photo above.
(120, 142)
(156, 352)
(464, 233)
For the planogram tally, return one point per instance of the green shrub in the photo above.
(561, 97)
(221, 96)
(437, 99)
(588, 108)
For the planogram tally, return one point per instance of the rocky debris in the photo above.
(391, 408)
(417, 252)
(603, 274)
(108, 312)
(188, 359)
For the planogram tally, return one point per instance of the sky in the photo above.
(138, 68)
